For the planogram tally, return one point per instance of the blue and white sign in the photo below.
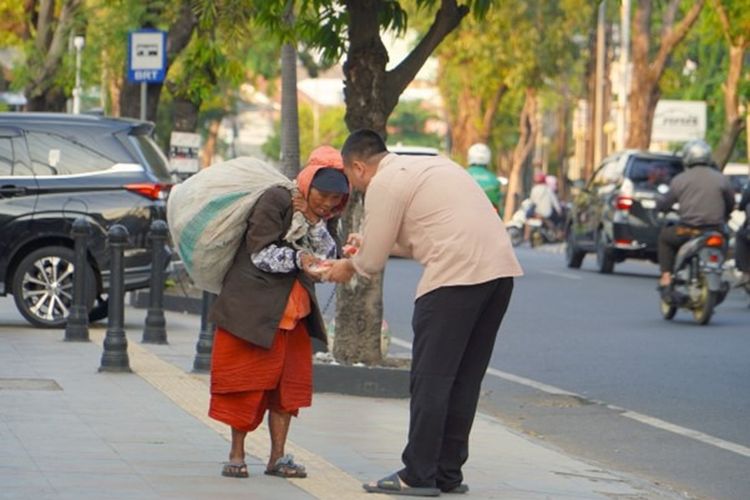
(147, 56)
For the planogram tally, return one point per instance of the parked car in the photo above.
(614, 215)
(55, 168)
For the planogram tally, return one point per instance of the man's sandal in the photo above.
(234, 470)
(392, 485)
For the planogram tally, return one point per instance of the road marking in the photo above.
(639, 417)
(561, 275)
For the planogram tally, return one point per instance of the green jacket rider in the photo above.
(479, 156)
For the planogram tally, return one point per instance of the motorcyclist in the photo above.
(742, 240)
(479, 157)
(705, 199)
(544, 202)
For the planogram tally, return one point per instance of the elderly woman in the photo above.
(267, 312)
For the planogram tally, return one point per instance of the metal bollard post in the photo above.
(205, 343)
(155, 332)
(77, 325)
(115, 356)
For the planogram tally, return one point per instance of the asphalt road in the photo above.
(585, 362)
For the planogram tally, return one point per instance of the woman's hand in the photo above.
(353, 242)
(313, 266)
(299, 203)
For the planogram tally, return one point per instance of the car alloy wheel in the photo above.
(43, 286)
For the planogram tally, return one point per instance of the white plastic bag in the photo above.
(207, 215)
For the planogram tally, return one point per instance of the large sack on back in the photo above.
(207, 215)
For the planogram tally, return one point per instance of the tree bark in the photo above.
(290, 149)
(209, 147)
(527, 137)
(733, 121)
(645, 91)
(51, 41)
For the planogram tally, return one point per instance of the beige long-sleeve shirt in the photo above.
(430, 209)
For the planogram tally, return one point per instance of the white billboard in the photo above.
(679, 121)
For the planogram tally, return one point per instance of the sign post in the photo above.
(147, 60)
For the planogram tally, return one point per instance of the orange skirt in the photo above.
(247, 380)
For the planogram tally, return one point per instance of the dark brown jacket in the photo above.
(252, 302)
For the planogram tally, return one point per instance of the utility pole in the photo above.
(599, 86)
(78, 43)
(624, 89)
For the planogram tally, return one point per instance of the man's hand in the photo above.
(339, 271)
(353, 242)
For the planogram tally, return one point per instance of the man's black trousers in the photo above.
(454, 333)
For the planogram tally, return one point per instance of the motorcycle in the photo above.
(697, 278)
(541, 231)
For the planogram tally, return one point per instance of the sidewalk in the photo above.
(67, 431)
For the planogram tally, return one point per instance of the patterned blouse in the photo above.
(281, 259)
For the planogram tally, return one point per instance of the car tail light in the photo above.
(623, 203)
(624, 242)
(150, 190)
(714, 257)
(715, 241)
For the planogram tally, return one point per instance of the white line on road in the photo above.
(639, 417)
(561, 275)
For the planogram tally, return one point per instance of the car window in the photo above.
(650, 172)
(609, 173)
(54, 154)
(152, 155)
(6, 157)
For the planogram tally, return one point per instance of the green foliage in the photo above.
(407, 125)
(332, 130)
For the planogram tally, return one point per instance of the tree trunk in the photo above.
(52, 33)
(185, 116)
(527, 137)
(209, 147)
(647, 72)
(733, 122)
(290, 160)
(371, 93)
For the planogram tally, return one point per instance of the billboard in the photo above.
(679, 121)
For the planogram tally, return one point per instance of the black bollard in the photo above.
(115, 356)
(155, 330)
(205, 343)
(77, 325)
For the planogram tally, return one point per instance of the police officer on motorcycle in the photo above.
(705, 199)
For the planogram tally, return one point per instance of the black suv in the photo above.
(55, 168)
(615, 215)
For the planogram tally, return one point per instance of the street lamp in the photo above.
(78, 43)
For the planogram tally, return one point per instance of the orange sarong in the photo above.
(247, 380)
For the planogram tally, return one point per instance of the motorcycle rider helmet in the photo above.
(479, 154)
(696, 152)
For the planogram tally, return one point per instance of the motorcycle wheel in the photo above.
(667, 310)
(705, 309)
(516, 235)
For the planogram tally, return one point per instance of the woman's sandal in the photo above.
(286, 468)
(234, 470)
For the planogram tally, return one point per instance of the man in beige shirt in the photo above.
(430, 209)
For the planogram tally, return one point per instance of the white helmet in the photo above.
(479, 154)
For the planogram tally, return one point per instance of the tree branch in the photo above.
(489, 113)
(674, 37)
(54, 53)
(44, 24)
(447, 18)
(670, 13)
(182, 29)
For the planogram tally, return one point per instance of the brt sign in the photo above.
(147, 56)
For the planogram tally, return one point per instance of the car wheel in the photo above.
(573, 255)
(43, 286)
(605, 261)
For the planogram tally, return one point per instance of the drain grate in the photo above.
(29, 384)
